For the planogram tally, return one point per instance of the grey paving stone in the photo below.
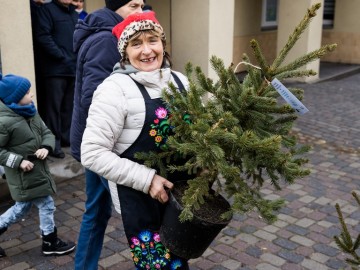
(239, 217)
(230, 231)
(284, 243)
(291, 197)
(336, 264)
(254, 251)
(290, 256)
(326, 249)
(248, 229)
(219, 267)
(297, 229)
(332, 219)
(286, 211)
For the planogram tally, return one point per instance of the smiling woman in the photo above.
(145, 51)
(127, 116)
(145, 45)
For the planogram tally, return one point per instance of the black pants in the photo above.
(59, 97)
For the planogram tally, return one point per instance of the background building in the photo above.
(198, 29)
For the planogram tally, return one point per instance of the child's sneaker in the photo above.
(2, 253)
(52, 245)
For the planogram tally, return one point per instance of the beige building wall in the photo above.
(190, 32)
(346, 33)
(163, 14)
(290, 14)
(247, 26)
(92, 5)
(16, 48)
(200, 29)
(197, 29)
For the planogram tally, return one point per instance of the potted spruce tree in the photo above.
(234, 141)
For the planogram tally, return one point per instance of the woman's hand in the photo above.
(26, 165)
(157, 190)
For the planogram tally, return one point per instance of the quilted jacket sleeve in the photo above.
(97, 58)
(104, 126)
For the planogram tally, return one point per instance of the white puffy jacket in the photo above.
(115, 120)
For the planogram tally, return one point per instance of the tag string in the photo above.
(245, 63)
(249, 64)
(267, 81)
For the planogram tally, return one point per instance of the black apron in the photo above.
(141, 214)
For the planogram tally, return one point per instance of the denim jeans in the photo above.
(20, 209)
(98, 207)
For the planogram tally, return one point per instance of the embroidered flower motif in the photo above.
(158, 139)
(149, 253)
(145, 236)
(161, 113)
(135, 241)
(160, 129)
(153, 133)
(156, 237)
(176, 264)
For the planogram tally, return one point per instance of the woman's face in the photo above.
(145, 52)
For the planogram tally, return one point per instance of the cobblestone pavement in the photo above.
(302, 238)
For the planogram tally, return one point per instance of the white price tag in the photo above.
(289, 97)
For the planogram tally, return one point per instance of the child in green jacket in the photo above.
(25, 142)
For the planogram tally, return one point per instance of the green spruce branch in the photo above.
(345, 241)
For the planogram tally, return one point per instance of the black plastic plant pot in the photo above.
(189, 239)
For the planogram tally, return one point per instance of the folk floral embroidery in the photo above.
(160, 129)
(149, 253)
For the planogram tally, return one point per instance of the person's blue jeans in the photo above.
(20, 209)
(98, 207)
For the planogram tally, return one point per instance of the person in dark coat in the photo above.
(35, 5)
(54, 31)
(25, 142)
(97, 54)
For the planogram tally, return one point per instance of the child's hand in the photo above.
(26, 165)
(42, 153)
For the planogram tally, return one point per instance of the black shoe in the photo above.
(65, 144)
(57, 248)
(58, 153)
(52, 245)
(2, 253)
(2, 230)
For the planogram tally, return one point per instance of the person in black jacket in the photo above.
(54, 35)
(97, 53)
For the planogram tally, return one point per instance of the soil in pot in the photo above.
(190, 239)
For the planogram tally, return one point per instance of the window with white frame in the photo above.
(269, 14)
(328, 15)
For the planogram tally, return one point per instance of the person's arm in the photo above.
(96, 59)
(8, 159)
(43, 34)
(104, 126)
(99, 61)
